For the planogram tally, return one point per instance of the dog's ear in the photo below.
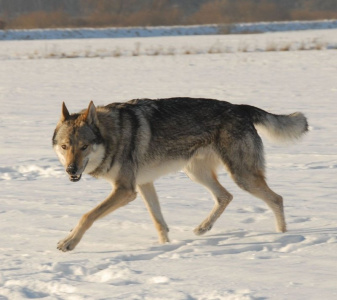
(90, 115)
(65, 113)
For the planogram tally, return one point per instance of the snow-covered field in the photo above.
(170, 46)
(119, 258)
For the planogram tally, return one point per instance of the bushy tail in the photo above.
(281, 128)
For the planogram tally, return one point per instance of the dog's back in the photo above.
(176, 128)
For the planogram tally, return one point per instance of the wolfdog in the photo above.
(133, 143)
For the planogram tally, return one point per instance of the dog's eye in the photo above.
(64, 147)
(84, 147)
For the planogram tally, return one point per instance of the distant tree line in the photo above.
(117, 13)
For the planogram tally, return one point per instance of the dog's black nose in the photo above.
(72, 169)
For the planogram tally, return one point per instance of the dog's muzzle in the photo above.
(72, 170)
(75, 178)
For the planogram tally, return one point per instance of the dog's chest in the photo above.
(153, 171)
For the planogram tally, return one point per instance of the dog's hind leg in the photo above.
(150, 198)
(203, 171)
(244, 160)
(257, 186)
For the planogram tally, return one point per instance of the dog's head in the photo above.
(78, 142)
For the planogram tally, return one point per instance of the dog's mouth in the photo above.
(75, 178)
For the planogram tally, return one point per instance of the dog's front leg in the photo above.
(120, 197)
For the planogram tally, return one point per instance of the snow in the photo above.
(159, 46)
(127, 32)
(242, 257)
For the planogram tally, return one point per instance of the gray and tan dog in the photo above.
(131, 144)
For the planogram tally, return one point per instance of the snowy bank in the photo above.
(170, 46)
(87, 33)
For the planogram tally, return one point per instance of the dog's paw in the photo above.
(163, 238)
(68, 244)
(200, 230)
(281, 229)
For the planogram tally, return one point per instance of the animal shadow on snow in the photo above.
(218, 244)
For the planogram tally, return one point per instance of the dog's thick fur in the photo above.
(131, 144)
